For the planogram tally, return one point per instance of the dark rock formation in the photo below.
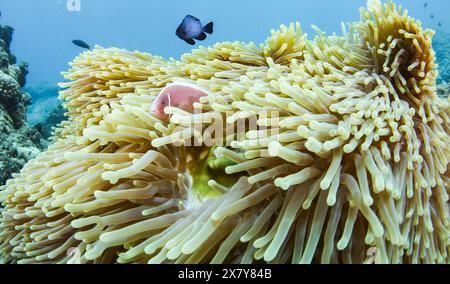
(18, 142)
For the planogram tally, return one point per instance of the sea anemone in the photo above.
(349, 155)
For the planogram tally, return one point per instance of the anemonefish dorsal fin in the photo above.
(186, 84)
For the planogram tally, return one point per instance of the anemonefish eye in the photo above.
(163, 103)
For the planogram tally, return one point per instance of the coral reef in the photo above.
(443, 90)
(47, 111)
(18, 142)
(356, 158)
(441, 44)
(17, 147)
(52, 119)
(8, 62)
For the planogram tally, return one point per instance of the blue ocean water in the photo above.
(44, 29)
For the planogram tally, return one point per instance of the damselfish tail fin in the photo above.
(209, 28)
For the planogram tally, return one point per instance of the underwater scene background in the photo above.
(36, 45)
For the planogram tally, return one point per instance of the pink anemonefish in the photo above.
(180, 95)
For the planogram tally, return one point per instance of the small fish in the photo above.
(432, 16)
(440, 24)
(180, 95)
(191, 28)
(81, 44)
(425, 4)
